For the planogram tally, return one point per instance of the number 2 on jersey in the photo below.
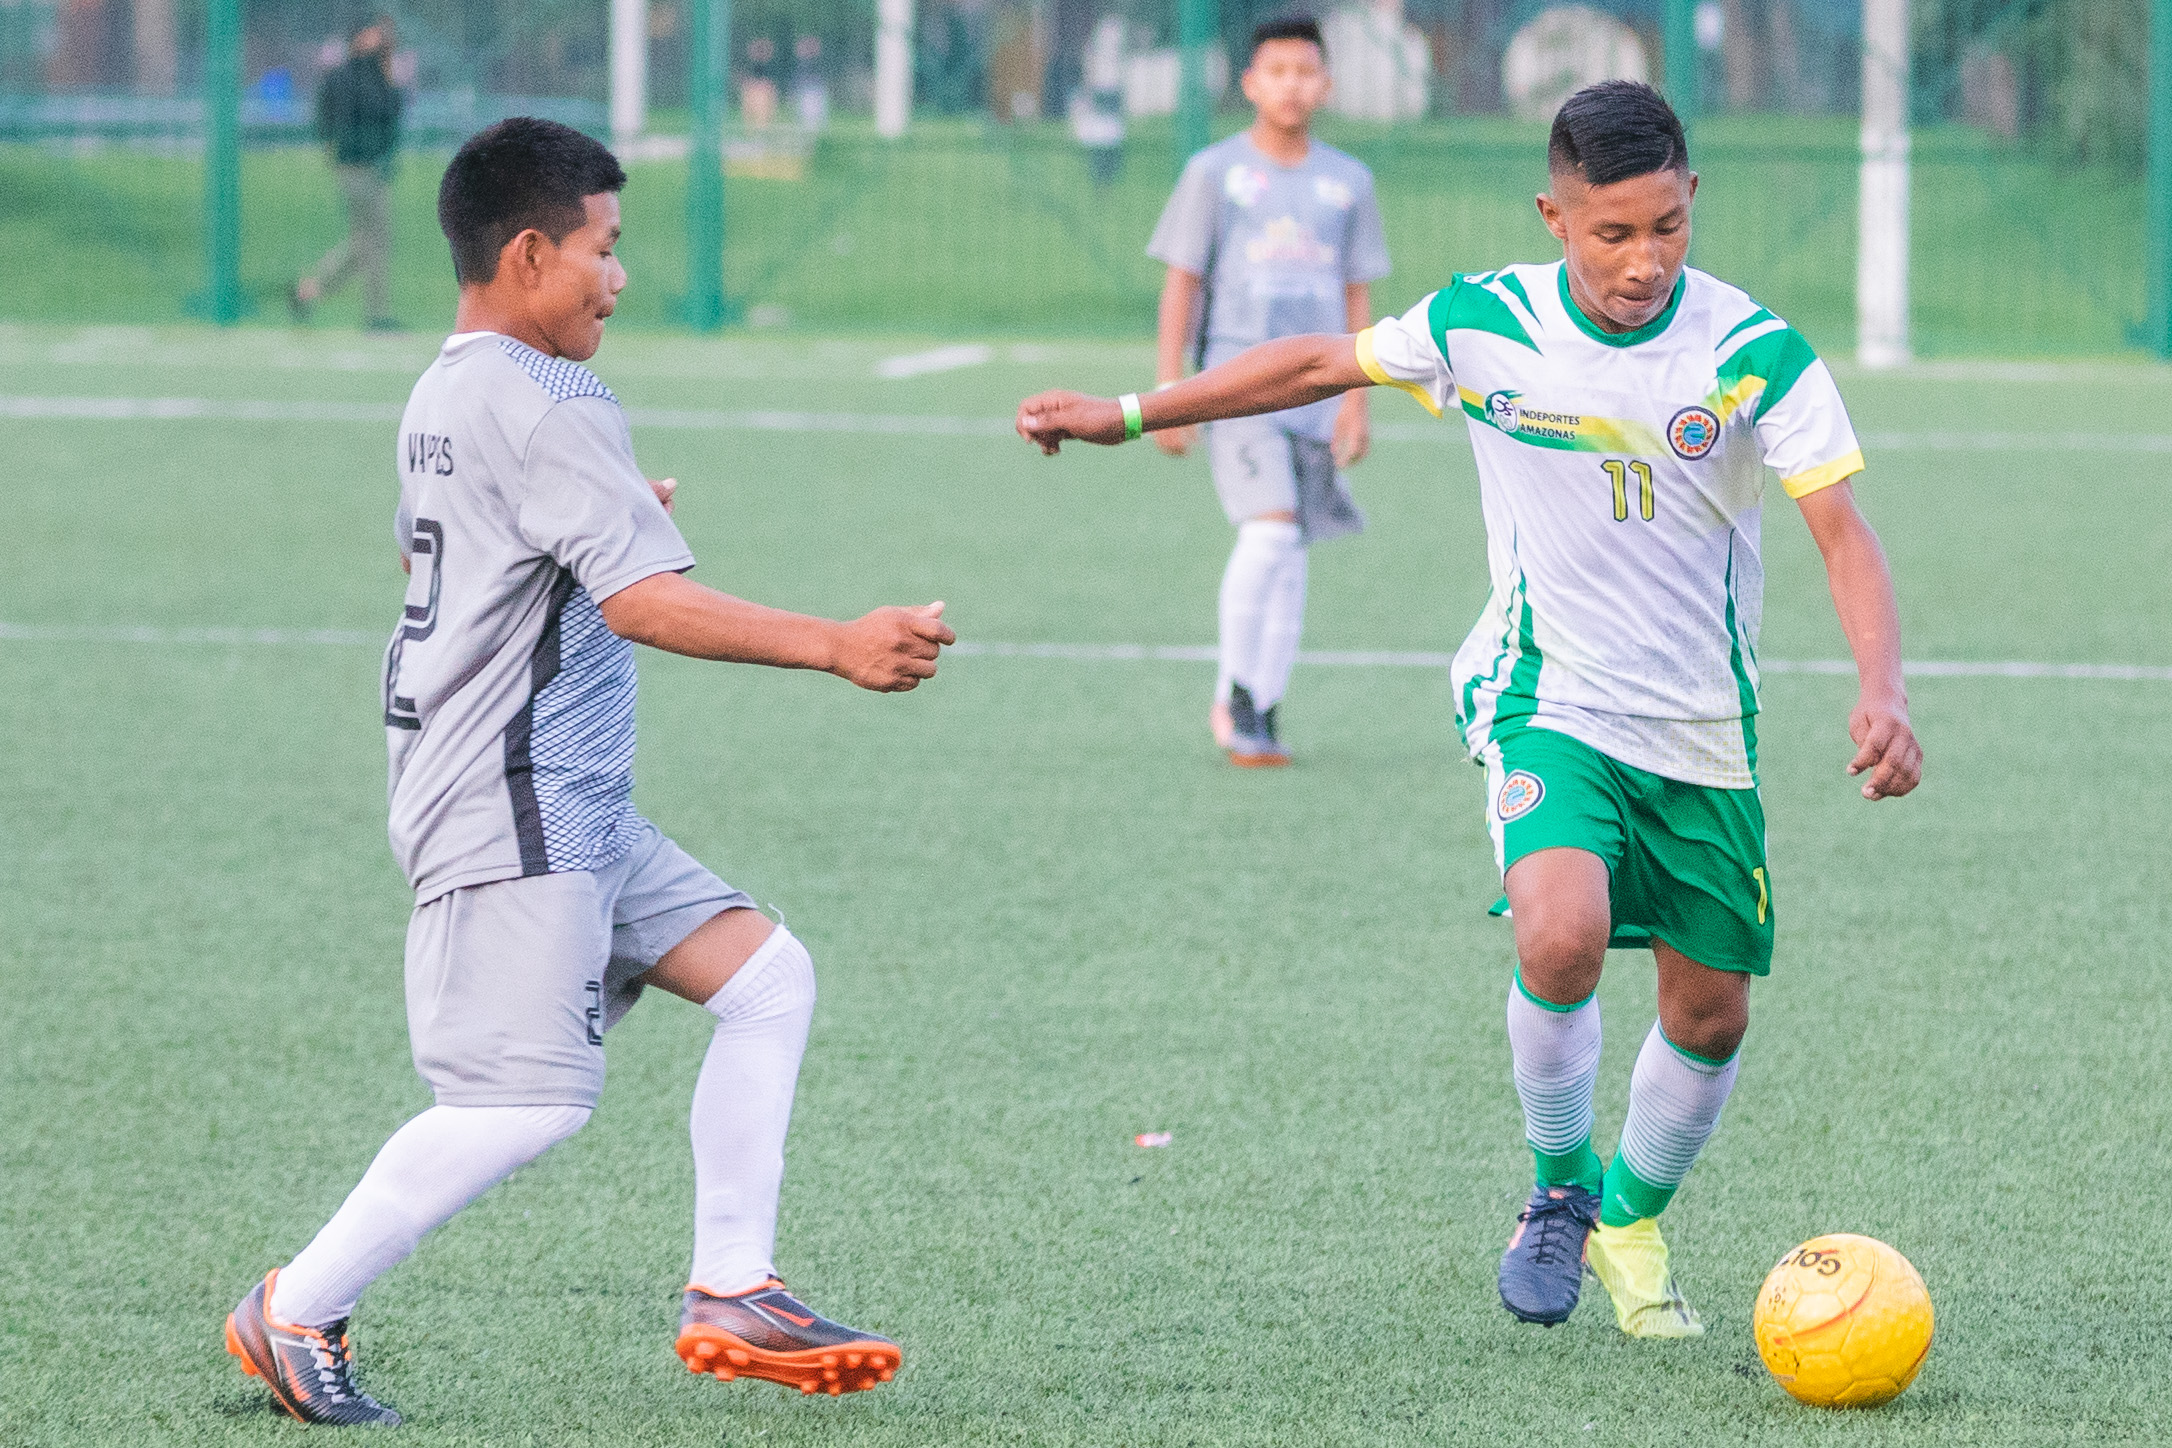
(1618, 473)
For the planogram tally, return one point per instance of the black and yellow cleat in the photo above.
(1631, 1263)
(310, 1370)
(766, 1332)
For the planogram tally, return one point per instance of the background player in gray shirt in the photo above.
(538, 555)
(1270, 234)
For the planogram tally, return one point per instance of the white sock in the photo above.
(430, 1169)
(1674, 1105)
(1556, 1057)
(742, 1107)
(1282, 621)
(1262, 610)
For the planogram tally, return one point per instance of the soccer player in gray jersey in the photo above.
(538, 555)
(1270, 234)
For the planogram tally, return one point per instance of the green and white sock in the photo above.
(1556, 1053)
(1675, 1098)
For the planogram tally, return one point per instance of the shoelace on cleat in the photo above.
(334, 1362)
(1550, 1223)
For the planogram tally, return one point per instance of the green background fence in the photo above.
(2030, 199)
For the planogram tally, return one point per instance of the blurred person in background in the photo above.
(758, 91)
(358, 119)
(1097, 105)
(1270, 234)
(810, 90)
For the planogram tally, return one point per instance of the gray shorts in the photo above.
(1260, 466)
(511, 985)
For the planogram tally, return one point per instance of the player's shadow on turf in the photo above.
(245, 1405)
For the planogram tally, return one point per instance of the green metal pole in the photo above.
(1683, 62)
(710, 43)
(1197, 23)
(221, 300)
(2160, 179)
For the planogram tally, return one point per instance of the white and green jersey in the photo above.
(1622, 479)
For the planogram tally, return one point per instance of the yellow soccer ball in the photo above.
(1843, 1322)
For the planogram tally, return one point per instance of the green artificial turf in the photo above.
(1048, 917)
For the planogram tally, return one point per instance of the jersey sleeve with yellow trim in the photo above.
(1400, 352)
(1804, 432)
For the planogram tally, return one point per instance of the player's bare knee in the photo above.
(1708, 1023)
(1713, 1040)
(1560, 953)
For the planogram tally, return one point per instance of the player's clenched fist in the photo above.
(892, 649)
(1050, 419)
(1887, 749)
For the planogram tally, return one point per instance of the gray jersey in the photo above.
(509, 706)
(1275, 244)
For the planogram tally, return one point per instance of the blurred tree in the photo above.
(2079, 68)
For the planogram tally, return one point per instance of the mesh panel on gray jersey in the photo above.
(555, 375)
(581, 743)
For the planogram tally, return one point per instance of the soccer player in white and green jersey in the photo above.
(1624, 409)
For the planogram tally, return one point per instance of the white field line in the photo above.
(1089, 653)
(172, 409)
(169, 409)
(765, 420)
(147, 634)
(942, 359)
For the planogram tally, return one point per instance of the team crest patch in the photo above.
(1693, 433)
(1244, 185)
(1520, 794)
(1501, 411)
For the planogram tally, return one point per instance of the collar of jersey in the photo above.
(1253, 146)
(1644, 333)
(462, 341)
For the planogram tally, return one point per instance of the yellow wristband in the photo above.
(1134, 419)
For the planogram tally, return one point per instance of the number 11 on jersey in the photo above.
(1618, 472)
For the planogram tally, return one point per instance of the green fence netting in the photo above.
(1004, 209)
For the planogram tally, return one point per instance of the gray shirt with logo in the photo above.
(509, 706)
(1276, 245)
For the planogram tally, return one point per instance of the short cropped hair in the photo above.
(519, 174)
(1615, 130)
(1296, 25)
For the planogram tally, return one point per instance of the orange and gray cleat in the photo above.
(310, 1370)
(766, 1332)
(1255, 741)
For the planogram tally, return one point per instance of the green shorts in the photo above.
(1686, 861)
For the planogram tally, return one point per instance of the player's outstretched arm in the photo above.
(1172, 340)
(1285, 373)
(890, 650)
(1862, 587)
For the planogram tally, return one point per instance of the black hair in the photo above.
(1615, 130)
(519, 174)
(1296, 25)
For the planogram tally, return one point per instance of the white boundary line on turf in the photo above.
(1091, 653)
(1420, 659)
(183, 409)
(941, 359)
(148, 634)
